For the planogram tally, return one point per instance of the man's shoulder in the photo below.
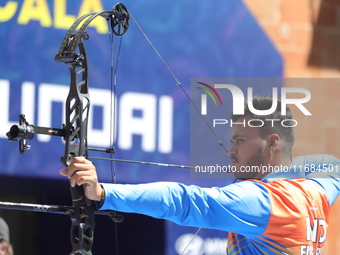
(315, 162)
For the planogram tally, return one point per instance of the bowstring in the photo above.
(178, 83)
(113, 104)
(113, 111)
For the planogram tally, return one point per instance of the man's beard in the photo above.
(255, 160)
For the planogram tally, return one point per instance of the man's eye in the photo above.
(237, 141)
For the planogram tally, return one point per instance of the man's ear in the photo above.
(272, 142)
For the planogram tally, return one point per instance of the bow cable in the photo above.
(113, 110)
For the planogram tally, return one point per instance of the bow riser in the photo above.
(77, 110)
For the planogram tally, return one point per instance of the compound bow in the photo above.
(72, 52)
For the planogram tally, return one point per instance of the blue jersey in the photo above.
(285, 213)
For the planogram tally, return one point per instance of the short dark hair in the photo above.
(286, 133)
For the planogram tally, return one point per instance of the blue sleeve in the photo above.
(242, 208)
(317, 162)
(323, 169)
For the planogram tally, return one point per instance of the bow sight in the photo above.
(25, 132)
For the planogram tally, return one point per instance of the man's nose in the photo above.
(232, 151)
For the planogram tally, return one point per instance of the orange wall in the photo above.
(307, 34)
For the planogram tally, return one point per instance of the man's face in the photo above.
(246, 149)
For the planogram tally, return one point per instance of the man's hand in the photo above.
(82, 172)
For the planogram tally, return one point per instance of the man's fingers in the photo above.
(78, 164)
(82, 172)
(81, 159)
(85, 180)
(82, 177)
(63, 172)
